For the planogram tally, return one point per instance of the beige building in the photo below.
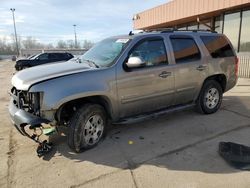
(231, 17)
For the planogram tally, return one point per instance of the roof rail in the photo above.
(197, 30)
(131, 33)
(169, 30)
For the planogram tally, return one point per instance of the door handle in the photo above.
(201, 67)
(165, 74)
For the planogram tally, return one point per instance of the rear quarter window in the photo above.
(217, 46)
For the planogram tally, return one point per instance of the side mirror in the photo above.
(135, 62)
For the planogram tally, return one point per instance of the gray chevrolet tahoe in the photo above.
(125, 78)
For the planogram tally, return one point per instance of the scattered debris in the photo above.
(43, 148)
(236, 155)
(141, 138)
(49, 131)
(130, 142)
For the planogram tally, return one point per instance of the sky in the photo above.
(51, 20)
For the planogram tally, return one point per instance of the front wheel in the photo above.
(87, 127)
(210, 97)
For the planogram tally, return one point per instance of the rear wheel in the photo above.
(210, 97)
(87, 127)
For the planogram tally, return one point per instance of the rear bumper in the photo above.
(231, 83)
(20, 117)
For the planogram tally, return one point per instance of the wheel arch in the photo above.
(220, 78)
(70, 107)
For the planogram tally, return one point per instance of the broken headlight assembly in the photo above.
(28, 101)
(35, 102)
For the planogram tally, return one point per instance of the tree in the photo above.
(30, 43)
(70, 44)
(87, 44)
(49, 46)
(61, 44)
(6, 48)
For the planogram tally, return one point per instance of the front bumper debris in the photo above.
(237, 155)
(22, 119)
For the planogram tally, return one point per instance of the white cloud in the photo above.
(6, 37)
(51, 20)
(7, 19)
(2, 30)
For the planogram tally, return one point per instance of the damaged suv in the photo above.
(123, 79)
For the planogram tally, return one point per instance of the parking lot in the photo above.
(176, 150)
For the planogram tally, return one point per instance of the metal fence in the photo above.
(244, 65)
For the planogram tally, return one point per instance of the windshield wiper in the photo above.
(91, 63)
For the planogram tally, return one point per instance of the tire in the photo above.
(24, 67)
(210, 97)
(18, 68)
(87, 127)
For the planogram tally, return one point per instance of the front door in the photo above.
(150, 87)
(42, 59)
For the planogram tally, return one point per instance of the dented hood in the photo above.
(25, 78)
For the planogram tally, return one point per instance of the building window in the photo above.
(245, 32)
(182, 27)
(232, 28)
(218, 24)
(205, 25)
(193, 26)
(185, 50)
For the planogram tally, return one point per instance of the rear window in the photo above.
(185, 50)
(217, 46)
(61, 55)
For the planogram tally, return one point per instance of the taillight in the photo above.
(236, 66)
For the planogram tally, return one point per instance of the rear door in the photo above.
(190, 68)
(150, 87)
(53, 57)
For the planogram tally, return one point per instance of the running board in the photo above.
(156, 114)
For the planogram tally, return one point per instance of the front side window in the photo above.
(151, 52)
(217, 46)
(185, 50)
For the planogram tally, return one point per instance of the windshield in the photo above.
(104, 53)
(34, 56)
(30, 56)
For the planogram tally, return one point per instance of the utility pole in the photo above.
(13, 15)
(75, 35)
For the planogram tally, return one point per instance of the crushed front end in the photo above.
(24, 109)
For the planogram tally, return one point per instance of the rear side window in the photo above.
(64, 56)
(217, 46)
(185, 50)
(52, 56)
(59, 56)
